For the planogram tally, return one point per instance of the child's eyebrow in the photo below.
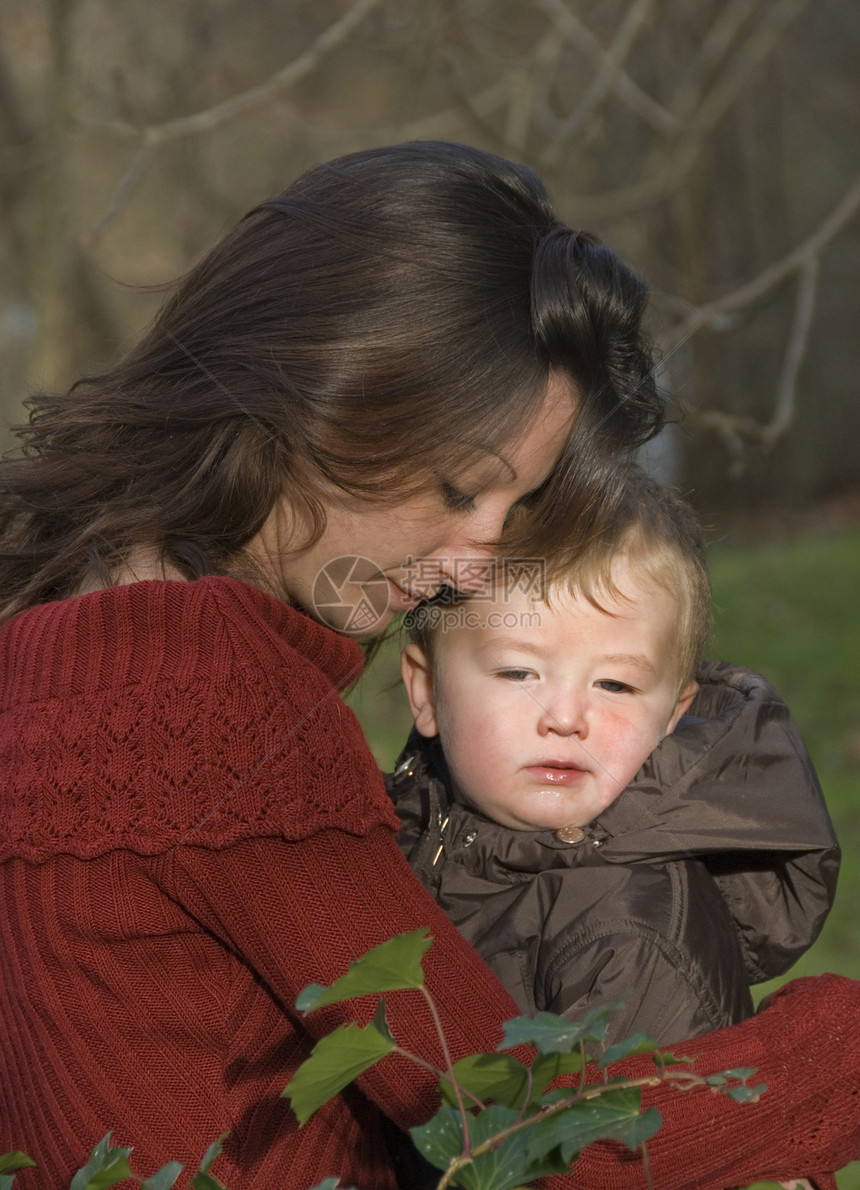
(511, 645)
(638, 660)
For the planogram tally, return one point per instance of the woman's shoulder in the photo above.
(154, 630)
(156, 713)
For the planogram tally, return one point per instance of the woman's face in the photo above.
(375, 560)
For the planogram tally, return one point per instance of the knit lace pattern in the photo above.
(164, 713)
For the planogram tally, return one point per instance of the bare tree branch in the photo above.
(736, 430)
(121, 194)
(629, 92)
(798, 341)
(521, 99)
(713, 312)
(670, 169)
(156, 135)
(518, 90)
(529, 88)
(751, 53)
(603, 82)
(715, 45)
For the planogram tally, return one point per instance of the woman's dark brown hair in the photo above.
(389, 317)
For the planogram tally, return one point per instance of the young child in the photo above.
(601, 816)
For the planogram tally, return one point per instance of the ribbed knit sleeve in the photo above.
(163, 713)
(317, 905)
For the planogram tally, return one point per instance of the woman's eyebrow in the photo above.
(506, 463)
(497, 454)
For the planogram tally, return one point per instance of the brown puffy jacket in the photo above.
(714, 869)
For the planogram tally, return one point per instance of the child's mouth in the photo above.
(550, 773)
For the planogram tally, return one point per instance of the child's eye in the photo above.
(516, 675)
(613, 687)
(456, 500)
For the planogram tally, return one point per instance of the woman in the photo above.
(382, 363)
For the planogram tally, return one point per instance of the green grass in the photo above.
(789, 610)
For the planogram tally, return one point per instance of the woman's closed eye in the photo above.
(456, 500)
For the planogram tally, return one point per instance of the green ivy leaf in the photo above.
(392, 966)
(334, 1062)
(554, 1034)
(668, 1058)
(380, 1022)
(497, 1077)
(615, 1115)
(546, 1067)
(164, 1178)
(105, 1167)
(510, 1165)
(203, 1179)
(746, 1094)
(12, 1162)
(637, 1043)
(741, 1072)
(518, 1159)
(440, 1140)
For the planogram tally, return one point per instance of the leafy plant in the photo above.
(108, 1166)
(501, 1124)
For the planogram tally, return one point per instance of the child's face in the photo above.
(546, 713)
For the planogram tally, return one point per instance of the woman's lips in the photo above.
(400, 599)
(554, 774)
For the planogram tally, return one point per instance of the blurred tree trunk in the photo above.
(705, 142)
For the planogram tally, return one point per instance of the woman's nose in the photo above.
(465, 567)
(465, 558)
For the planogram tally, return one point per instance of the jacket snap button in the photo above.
(570, 834)
(469, 839)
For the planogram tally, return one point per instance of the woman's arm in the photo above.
(299, 912)
(805, 1046)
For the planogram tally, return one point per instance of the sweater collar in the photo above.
(119, 633)
(339, 657)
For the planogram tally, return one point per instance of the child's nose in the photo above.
(564, 714)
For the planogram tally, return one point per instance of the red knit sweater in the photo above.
(192, 830)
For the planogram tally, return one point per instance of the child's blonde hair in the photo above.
(659, 533)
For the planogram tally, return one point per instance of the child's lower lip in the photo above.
(548, 775)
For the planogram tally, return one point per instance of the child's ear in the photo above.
(418, 680)
(684, 699)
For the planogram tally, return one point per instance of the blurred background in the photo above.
(716, 145)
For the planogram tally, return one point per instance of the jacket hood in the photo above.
(732, 786)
